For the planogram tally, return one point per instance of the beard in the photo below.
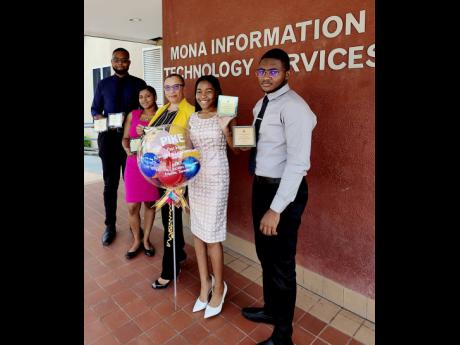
(120, 71)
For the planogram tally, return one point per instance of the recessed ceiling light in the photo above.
(135, 19)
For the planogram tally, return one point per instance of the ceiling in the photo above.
(110, 19)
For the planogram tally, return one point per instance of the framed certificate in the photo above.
(134, 144)
(100, 125)
(227, 105)
(244, 136)
(115, 120)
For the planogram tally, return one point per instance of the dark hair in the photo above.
(277, 54)
(121, 50)
(152, 91)
(215, 84)
(177, 76)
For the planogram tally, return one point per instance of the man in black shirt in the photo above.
(118, 93)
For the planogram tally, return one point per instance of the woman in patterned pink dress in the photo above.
(137, 189)
(208, 193)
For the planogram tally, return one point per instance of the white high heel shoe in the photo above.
(213, 311)
(201, 305)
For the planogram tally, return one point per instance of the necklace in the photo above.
(146, 117)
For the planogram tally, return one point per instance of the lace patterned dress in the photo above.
(208, 192)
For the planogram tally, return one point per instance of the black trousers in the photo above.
(168, 255)
(113, 162)
(277, 255)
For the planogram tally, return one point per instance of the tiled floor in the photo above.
(122, 308)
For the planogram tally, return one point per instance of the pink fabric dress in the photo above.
(137, 188)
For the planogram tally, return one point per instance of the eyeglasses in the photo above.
(174, 87)
(120, 60)
(272, 72)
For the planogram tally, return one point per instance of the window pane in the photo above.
(96, 78)
(106, 72)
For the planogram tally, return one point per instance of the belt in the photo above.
(267, 180)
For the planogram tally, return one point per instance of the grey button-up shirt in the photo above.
(284, 145)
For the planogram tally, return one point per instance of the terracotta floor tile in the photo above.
(178, 340)
(115, 287)
(298, 314)
(165, 308)
(212, 340)
(247, 341)
(127, 332)
(115, 263)
(185, 298)
(213, 324)
(106, 279)
(143, 339)
(93, 331)
(242, 299)
(133, 279)
(124, 297)
(136, 307)
(334, 337)
(300, 336)
(115, 320)
(245, 325)
(230, 311)
(121, 308)
(90, 285)
(311, 324)
(254, 290)
(179, 320)
(155, 298)
(195, 333)
(108, 339)
(95, 297)
(230, 335)
(261, 332)
(143, 288)
(160, 333)
(89, 315)
(239, 280)
(105, 307)
(355, 342)
(147, 320)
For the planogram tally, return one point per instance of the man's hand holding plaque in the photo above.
(244, 136)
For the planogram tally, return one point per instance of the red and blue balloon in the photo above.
(166, 159)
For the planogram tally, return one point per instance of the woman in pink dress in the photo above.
(137, 189)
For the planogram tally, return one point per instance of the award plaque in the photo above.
(115, 120)
(227, 105)
(100, 125)
(244, 136)
(148, 129)
(134, 145)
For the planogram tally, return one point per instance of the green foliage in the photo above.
(87, 141)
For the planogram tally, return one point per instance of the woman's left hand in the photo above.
(224, 121)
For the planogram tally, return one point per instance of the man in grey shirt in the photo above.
(284, 123)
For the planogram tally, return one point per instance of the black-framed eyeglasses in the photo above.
(120, 60)
(174, 87)
(272, 72)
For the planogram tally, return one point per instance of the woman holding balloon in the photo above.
(208, 193)
(176, 112)
(137, 189)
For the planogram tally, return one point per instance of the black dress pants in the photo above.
(277, 255)
(113, 162)
(168, 254)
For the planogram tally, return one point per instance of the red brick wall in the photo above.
(336, 238)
